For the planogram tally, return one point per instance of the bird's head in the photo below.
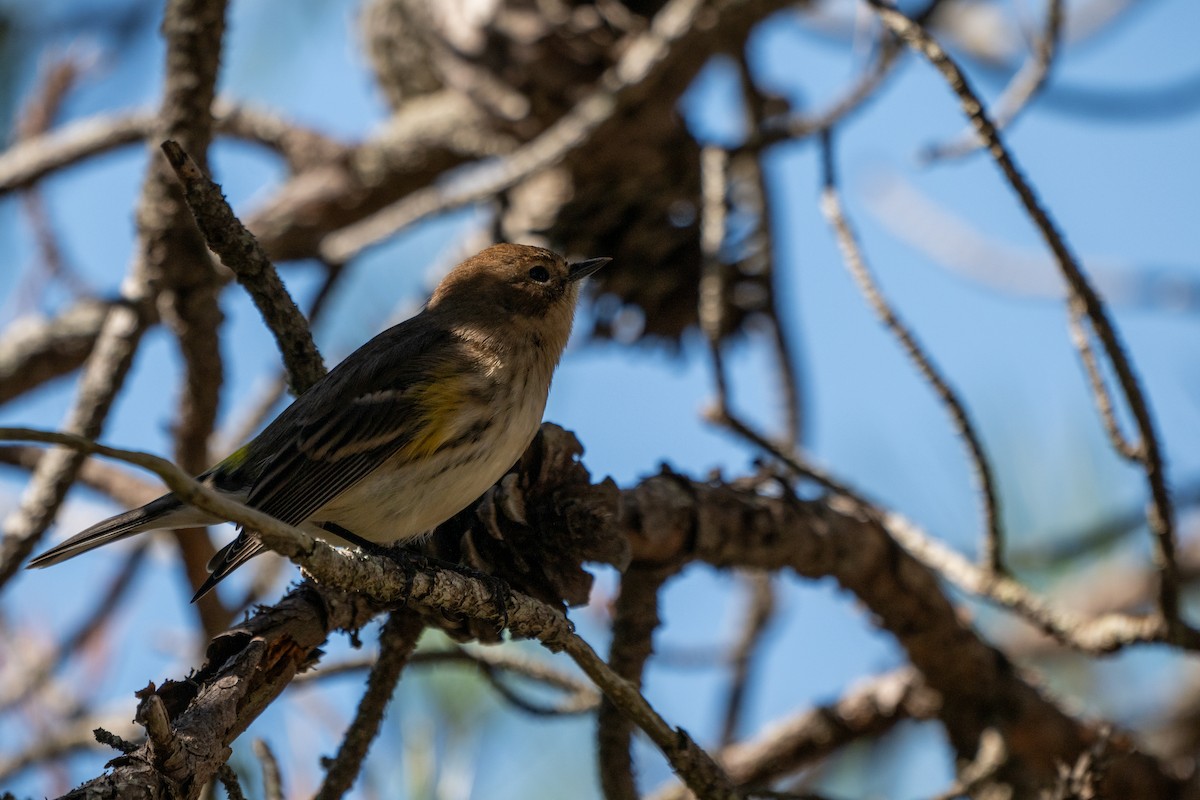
(515, 287)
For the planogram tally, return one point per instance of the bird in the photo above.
(406, 431)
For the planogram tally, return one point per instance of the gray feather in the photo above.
(165, 513)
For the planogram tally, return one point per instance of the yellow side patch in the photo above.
(440, 403)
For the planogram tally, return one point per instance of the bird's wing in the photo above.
(398, 391)
(333, 453)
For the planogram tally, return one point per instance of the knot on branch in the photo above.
(658, 517)
(538, 525)
(166, 751)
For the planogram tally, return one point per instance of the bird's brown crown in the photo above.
(508, 280)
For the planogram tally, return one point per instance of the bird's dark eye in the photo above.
(539, 273)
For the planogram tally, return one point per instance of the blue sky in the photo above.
(1125, 192)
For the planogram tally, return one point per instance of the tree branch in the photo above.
(240, 251)
(981, 465)
(1025, 85)
(635, 619)
(396, 643)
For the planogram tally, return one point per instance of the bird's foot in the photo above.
(497, 588)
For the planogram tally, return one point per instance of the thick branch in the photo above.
(30, 160)
(176, 263)
(670, 517)
(866, 711)
(788, 745)
(56, 472)
(246, 670)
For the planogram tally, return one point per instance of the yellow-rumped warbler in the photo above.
(409, 429)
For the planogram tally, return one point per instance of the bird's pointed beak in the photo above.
(581, 269)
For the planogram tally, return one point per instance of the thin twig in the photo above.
(1055, 550)
(797, 465)
(110, 739)
(1025, 85)
(761, 248)
(831, 207)
(51, 257)
(1084, 302)
(1131, 451)
(229, 781)
(635, 619)
(183, 485)
(695, 766)
(1095, 635)
(863, 89)
(573, 704)
(396, 642)
(714, 184)
(122, 486)
(760, 611)
(491, 662)
(81, 734)
(240, 251)
(272, 780)
(37, 117)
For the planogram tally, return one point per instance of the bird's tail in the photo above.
(245, 547)
(165, 513)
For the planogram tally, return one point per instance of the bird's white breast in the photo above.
(406, 498)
